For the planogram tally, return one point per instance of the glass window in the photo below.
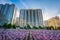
(10, 13)
(34, 17)
(30, 15)
(27, 15)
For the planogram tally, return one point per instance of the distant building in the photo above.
(55, 22)
(33, 17)
(7, 13)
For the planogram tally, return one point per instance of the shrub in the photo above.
(14, 26)
(51, 27)
(28, 26)
(8, 26)
(5, 26)
(25, 27)
(48, 28)
(41, 27)
(34, 27)
(58, 27)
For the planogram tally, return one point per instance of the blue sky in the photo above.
(50, 8)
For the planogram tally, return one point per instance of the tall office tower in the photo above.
(7, 13)
(33, 17)
(17, 21)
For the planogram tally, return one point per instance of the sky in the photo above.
(50, 8)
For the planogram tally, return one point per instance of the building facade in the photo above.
(8, 13)
(33, 17)
(17, 21)
(54, 21)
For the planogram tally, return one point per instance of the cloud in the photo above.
(24, 4)
(5, 1)
(46, 11)
(49, 13)
(59, 15)
(2, 1)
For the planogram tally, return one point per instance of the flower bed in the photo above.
(45, 34)
(17, 34)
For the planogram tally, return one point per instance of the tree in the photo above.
(34, 27)
(9, 26)
(5, 26)
(28, 26)
(48, 28)
(51, 27)
(40, 27)
(0, 25)
(58, 27)
(14, 26)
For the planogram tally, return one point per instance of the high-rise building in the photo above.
(33, 17)
(7, 13)
(17, 21)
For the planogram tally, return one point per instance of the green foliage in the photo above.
(9, 26)
(14, 26)
(28, 26)
(58, 27)
(41, 27)
(34, 27)
(51, 27)
(48, 28)
(0, 26)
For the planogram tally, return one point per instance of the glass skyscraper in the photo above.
(33, 17)
(8, 13)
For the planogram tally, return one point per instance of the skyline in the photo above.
(50, 8)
